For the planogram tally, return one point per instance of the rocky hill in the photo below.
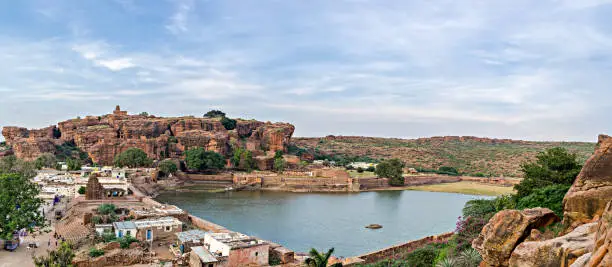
(468, 154)
(103, 137)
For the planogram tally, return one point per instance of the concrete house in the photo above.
(201, 257)
(125, 228)
(236, 249)
(154, 229)
(188, 239)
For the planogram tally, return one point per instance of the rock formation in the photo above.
(504, 241)
(103, 137)
(592, 189)
(506, 230)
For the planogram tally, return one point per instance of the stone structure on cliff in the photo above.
(587, 221)
(103, 137)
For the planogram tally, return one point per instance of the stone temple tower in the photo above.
(119, 112)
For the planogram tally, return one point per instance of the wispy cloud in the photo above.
(178, 21)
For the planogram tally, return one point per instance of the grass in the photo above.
(365, 174)
(464, 187)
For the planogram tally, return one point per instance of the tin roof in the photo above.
(191, 236)
(124, 225)
(204, 254)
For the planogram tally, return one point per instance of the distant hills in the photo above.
(470, 155)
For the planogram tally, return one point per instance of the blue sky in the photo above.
(535, 70)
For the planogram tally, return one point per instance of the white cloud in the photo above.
(116, 64)
(178, 21)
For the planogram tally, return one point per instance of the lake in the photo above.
(300, 221)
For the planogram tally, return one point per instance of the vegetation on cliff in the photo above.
(167, 167)
(469, 155)
(202, 160)
(242, 159)
(132, 157)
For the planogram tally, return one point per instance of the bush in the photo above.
(106, 209)
(167, 167)
(229, 124)
(485, 208)
(467, 230)
(199, 159)
(125, 241)
(96, 219)
(243, 159)
(82, 190)
(479, 174)
(392, 169)
(132, 157)
(360, 170)
(424, 256)
(94, 252)
(554, 166)
(371, 169)
(46, 160)
(548, 197)
(448, 169)
(214, 114)
(73, 164)
(349, 167)
(108, 237)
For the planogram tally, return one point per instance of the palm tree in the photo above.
(317, 259)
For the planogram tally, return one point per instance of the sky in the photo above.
(531, 70)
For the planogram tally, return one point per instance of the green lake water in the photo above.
(300, 221)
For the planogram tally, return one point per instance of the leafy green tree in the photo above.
(279, 162)
(20, 204)
(144, 113)
(62, 257)
(73, 164)
(11, 164)
(82, 190)
(167, 167)
(554, 166)
(106, 209)
(46, 160)
(392, 169)
(547, 197)
(214, 114)
(317, 259)
(485, 208)
(229, 124)
(200, 159)
(133, 158)
(243, 159)
(448, 170)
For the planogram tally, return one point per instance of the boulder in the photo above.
(506, 230)
(560, 251)
(592, 189)
(602, 252)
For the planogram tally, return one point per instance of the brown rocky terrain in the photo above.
(103, 137)
(504, 241)
(468, 154)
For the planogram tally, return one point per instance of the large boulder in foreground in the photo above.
(506, 230)
(602, 252)
(560, 251)
(592, 190)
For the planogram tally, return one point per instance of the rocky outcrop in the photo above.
(561, 251)
(602, 252)
(103, 137)
(506, 230)
(592, 189)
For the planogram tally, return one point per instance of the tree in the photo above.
(360, 170)
(392, 169)
(214, 114)
(20, 204)
(199, 159)
(46, 160)
(317, 259)
(11, 164)
(167, 167)
(243, 159)
(57, 258)
(73, 164)
(144, 113)
(448, 170)
(553, 166)
(371, 169)
(133, 158)
(547, 197)
(229, 124)
(106, 209)
(82, 190)
(279, 162)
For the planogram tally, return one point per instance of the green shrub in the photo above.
(133, 158)
(424, 256)
(94, 252)
(548, 197)
(82, 190)
(96, 219)
(229, 124)
(360, 170)
(167, 167)
(126, 241)
(106, 209)
(449, 170)
(108, 237)
(200, 159)
(371, 169)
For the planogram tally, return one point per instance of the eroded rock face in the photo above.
(592, 190)
(103, 137)
(602, 252)
(506, 230)
(560, 251)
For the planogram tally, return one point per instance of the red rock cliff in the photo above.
(103, 137)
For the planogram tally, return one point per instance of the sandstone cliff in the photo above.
(103, 137)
